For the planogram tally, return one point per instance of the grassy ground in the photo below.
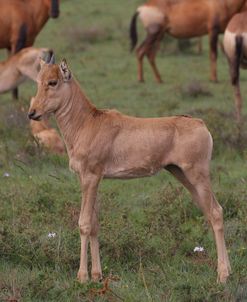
(149, 227)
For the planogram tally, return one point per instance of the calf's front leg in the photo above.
(88, 227)
(96, 272)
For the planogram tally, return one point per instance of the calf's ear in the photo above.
(66, 73)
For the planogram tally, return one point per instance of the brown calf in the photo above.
(107, 144)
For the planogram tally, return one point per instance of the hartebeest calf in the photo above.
(235, 47)
(20, 67)
(181, 19)
(107, 144)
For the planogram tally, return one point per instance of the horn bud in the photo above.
(52, 60)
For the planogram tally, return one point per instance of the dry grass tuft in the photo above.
(79, 35)
(195, 89)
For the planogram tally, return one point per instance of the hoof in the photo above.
(222, 277)
(82, 277)
(97, 277)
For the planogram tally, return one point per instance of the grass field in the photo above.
(149, 227)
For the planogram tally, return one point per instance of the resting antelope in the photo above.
(181, 19)
(235, 47)
(22, 20)
(20, 67)
(107, 144)
(47, 137)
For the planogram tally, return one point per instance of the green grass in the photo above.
(149, 227)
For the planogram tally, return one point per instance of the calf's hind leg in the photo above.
(197, 181)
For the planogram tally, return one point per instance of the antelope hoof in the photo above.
(141, 81)
(160, 81)
(222, 277)
(96, 276)
(82, 277)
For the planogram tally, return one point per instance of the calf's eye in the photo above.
(52, 83)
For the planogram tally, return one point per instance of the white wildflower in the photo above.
(52, 235)
(199, 249)
(6, 174)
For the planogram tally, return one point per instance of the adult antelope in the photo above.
(21, 21)
(107, 144)
(20, 67)
(235, 47)
(181, 19)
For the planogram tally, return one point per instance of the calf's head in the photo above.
(54, 89)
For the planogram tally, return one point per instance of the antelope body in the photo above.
(20, 67)
(107, 144)
(235, 47)
(181, 19)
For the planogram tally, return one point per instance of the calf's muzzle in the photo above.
(32, 115)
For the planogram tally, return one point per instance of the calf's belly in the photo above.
(130, 172)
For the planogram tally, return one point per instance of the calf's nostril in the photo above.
(31, 114)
